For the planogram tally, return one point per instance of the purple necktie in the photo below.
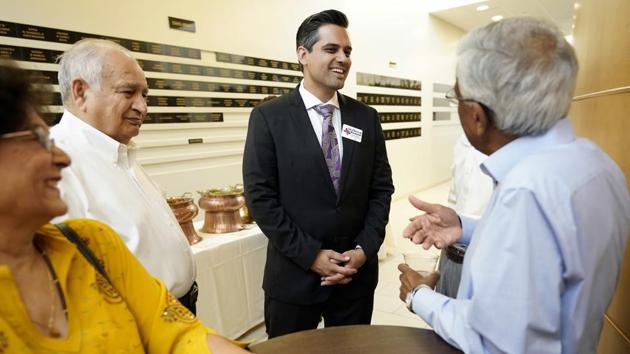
(330, 146)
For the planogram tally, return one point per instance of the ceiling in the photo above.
(464, 14)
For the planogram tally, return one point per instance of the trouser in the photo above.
(189, 300)
(450, 268)
(284, 318)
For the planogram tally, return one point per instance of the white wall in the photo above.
(381, 31)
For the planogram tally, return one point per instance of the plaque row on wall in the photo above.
(442, 116)
(180, 101)
(50, 77)
(388, 100)
(186, 85)
(50, 56)
(399, 117)
(393, 134)
(54, 99)
(366, 79)
(40, 33)
(442, 88)
(252, 61)
(183, 118)
(54, 118)
(441, 102)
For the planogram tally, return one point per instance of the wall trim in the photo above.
(613, 91)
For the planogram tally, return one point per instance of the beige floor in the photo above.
(388, 308)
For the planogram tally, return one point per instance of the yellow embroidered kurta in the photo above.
(137, 315)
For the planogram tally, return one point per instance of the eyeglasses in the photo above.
(39, 133)
(452, 98)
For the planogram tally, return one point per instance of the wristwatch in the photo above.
(412, 293)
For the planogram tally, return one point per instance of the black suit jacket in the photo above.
(290, 194)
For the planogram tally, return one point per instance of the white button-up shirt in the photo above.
(104, 182)
(317, 120)
(544, 259)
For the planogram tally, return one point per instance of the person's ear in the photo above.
(302, 54)
(78, 92)
(481, 120)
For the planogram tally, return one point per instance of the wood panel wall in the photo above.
(601, 112)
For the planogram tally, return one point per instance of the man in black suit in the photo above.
(318, 183)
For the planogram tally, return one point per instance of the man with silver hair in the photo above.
(104, 95)
(543, 261)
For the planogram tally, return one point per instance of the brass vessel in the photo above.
(222, 207)
(185, 211)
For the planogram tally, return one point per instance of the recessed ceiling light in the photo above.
(497, 18)
(576, 6)
(482, 8)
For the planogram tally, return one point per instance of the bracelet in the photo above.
(412, 293)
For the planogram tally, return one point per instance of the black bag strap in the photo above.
(83, 248)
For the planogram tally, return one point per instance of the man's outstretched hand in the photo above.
(439, 226)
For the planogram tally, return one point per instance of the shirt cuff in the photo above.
(426, 303)
(468, 227)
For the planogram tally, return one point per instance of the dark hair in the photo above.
(17, 96)
(307, 34)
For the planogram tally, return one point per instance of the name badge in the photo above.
(351, 133)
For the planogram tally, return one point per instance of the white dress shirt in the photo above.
(543, 261)
(104, 182)
(317, 120)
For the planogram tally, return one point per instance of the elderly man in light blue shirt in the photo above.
(544, 259)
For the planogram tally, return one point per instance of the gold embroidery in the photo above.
(175, 311)
(4, 342)
(109, 292)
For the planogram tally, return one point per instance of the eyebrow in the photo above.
(335, 45)
(128, 85)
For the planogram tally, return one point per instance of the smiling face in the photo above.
(30, 175)
(326, 66)
(118, 107)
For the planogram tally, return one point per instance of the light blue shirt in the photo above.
(543, 261)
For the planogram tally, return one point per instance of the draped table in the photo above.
(229, 274)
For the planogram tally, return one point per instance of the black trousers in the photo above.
(283, 318)
(189, 300)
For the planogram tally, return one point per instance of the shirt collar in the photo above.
(311, 100)
(101, 142)
(499, 164)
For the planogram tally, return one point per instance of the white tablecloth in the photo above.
(229, 273)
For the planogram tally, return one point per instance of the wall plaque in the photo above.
(394, 134)
(181, 24)
(441, 102)
(376, 99)
(200, 70)
(252, 61)
(441, 116)
(187, 85)
(387, 81)
(179, 101)
(442, 88)
(399, 117)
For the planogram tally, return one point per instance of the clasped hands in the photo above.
(338, 268)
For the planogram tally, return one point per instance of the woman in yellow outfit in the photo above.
(53, 299)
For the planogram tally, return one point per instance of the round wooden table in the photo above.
(357, 339)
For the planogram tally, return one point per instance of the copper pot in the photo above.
(222, 212)
(245, 215)
(185, 211)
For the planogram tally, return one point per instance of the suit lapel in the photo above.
(304, 129)
(347, 117)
